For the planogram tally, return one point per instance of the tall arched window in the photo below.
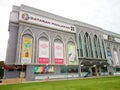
(80, 46)
(86, 44)
(103, 49)
(95, 46)
(27, 49)
(58, 51)
(99, 49)
(119, 50)
(90, 47)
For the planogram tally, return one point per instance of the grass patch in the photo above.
(104, 83)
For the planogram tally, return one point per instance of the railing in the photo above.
(87, 74)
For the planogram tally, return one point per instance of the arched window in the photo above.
(58, 51)
(71, 53)
(119, 50)
(80, 46)
(99, 49)
(103, 49)
(44, 57)
(116, 60)
(90, 47)
(95, 46)
(27, 49)
(86, 44)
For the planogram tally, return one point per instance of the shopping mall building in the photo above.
(43, 45)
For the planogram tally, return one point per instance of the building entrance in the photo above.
(93, 71)
(96, 71)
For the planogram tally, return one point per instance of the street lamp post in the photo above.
(66, 71)
(81, 66)
(22, 67)
(21, 74)
(79, 69)
(46, 71)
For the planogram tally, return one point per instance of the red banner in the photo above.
(43, 60)
(59, 61)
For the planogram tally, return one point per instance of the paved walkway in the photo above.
(20, 80)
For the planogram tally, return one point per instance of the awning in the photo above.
(9, 67)
(86, 63)
(91, 63)
(96, 63)
(12, 67)
(104, 63)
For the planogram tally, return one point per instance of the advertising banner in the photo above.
(58, 52)
(109, 52)
(43, 52)
(26, 50)
(43, 69)
(116, 58)
(72, 54)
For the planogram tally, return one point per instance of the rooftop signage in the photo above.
(43, 21)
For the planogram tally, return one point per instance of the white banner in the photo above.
(43, 52)
(58, 52)
(116, 58)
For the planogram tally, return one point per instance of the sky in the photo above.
(101, 13)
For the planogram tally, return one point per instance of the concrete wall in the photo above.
(30, 76)
(11, 74)
(12, 44)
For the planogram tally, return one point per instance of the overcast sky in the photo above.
(101, 13)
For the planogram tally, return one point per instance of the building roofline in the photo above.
(111, 33)
(60, 18)
(46, 14)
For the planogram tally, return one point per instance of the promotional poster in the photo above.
(58, 52)
(43, 52)
(72, 54)
(26, 50)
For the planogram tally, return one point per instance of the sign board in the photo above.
(43, 21)
(22, 74)
(43, 69)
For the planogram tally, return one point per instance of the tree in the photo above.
(1, 63)
(1, 70)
